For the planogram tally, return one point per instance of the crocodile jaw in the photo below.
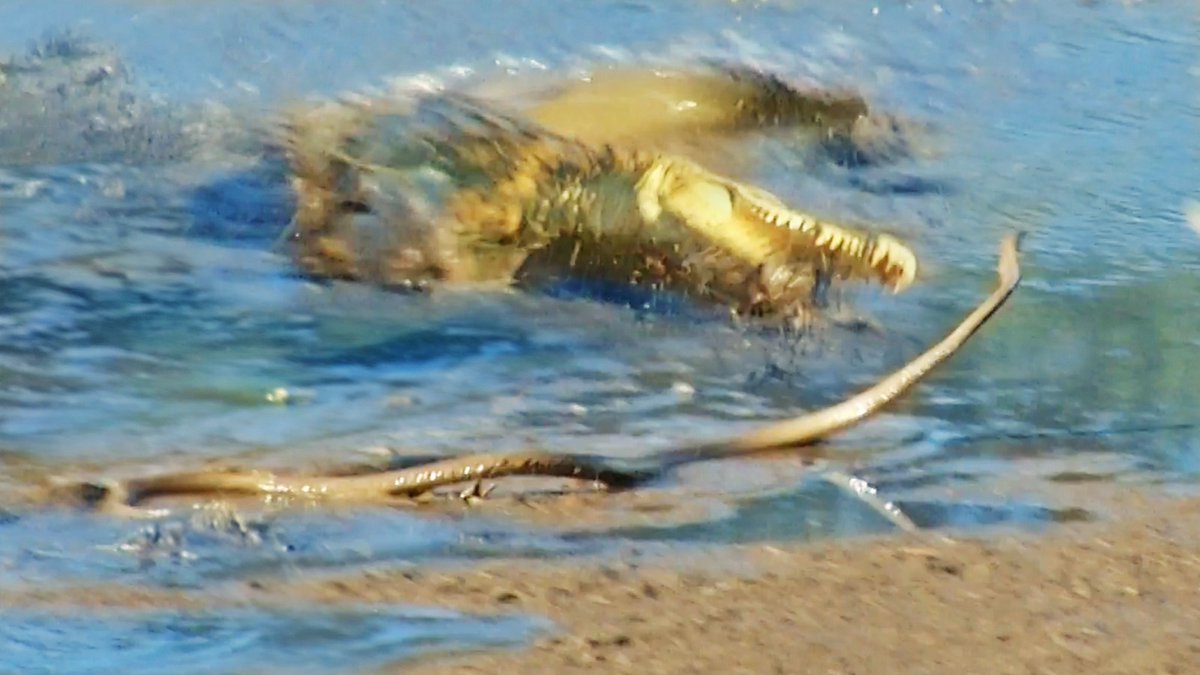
(756, 226)
(857, 254)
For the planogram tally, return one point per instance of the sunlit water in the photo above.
(242, 640)
(146, 314)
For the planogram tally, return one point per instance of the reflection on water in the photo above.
(821, 510)
(243, 639)
(193, 548)
(146, 314)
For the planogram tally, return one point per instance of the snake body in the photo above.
(611, 472)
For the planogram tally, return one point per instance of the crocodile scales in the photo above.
(449, 190)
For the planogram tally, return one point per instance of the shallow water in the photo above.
(146, 315)
(242, 640)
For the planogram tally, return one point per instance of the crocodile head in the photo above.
(758, 228)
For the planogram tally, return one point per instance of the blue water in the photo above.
(241, 640)
(147, 315)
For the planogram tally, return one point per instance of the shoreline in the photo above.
(1115, 596)
(1118, 595)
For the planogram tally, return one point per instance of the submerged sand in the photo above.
(1117, 596)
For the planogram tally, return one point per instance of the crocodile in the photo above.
(450, 190)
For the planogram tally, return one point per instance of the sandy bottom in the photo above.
(1119, 596)
(1115, 597)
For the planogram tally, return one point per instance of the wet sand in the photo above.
(1112, 596)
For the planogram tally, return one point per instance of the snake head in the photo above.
(756, 226)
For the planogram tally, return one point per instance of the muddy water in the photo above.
(148, 319)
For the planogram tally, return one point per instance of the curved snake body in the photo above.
(612, 473)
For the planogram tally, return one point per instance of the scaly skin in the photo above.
(669, 106)
(523, 204)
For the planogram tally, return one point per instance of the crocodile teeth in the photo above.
(895, 261)
(800, 223)
(780, 218)
(879, 254)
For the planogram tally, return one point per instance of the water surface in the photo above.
(148, 317)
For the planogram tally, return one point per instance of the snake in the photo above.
(611, 473)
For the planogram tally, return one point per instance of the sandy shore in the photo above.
(1114, 597)
(1118, 596)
